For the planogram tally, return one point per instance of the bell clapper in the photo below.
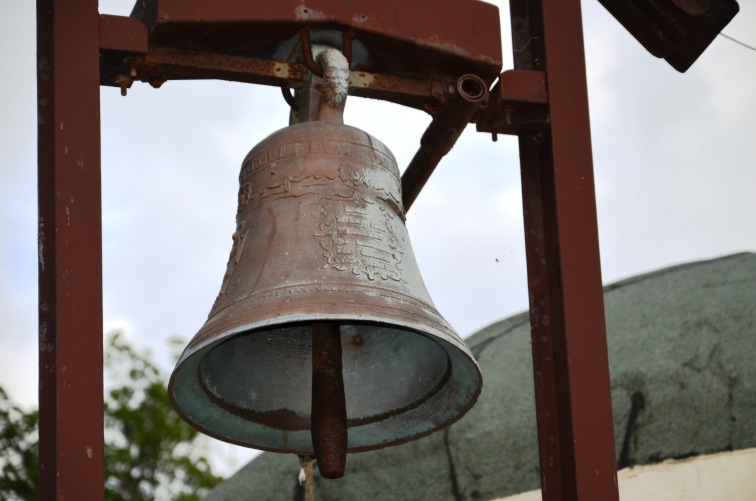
(328, 421)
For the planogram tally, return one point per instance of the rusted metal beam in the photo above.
(570, 361)
(427, 95)
(70, 252)
(163, 64)
(389, 37)
(463, 103)
(586, 356)
(401, 52)
(127, 59)
(170, 64)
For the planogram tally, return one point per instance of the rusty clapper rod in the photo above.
(442, 133)
(328, 421)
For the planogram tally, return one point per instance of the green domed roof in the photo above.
(681, 350)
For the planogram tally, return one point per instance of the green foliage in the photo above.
(18, 446)
(150, 453)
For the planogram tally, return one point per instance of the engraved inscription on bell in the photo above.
(320, 210)
(357, 237)
(343, 190)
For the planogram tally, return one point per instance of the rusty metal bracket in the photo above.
(290, 100)
(312, 65)
(304, 37)
(461, 106)
(519, 101)
(124, 40)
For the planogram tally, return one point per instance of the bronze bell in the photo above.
(323, 338)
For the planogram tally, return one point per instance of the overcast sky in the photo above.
(673, 158)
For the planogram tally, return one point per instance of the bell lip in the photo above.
(383, 445)
(455, 341)
(353, 422)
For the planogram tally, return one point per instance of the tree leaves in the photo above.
(150, 453)
(18, 442)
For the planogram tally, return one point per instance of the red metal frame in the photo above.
(570, 361)
(70, 252)
(543, 100)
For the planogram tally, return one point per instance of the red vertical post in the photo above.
(70, 251)
(570, 361)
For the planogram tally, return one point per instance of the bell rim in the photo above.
(462, 354)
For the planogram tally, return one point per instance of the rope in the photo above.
(305, 477)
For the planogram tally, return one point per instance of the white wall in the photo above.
(729, 476)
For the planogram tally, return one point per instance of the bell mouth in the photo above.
(254, 387)
(266, 376)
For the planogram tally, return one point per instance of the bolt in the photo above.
(132, 62)
(124, 82)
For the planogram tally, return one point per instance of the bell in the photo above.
(323, 339)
